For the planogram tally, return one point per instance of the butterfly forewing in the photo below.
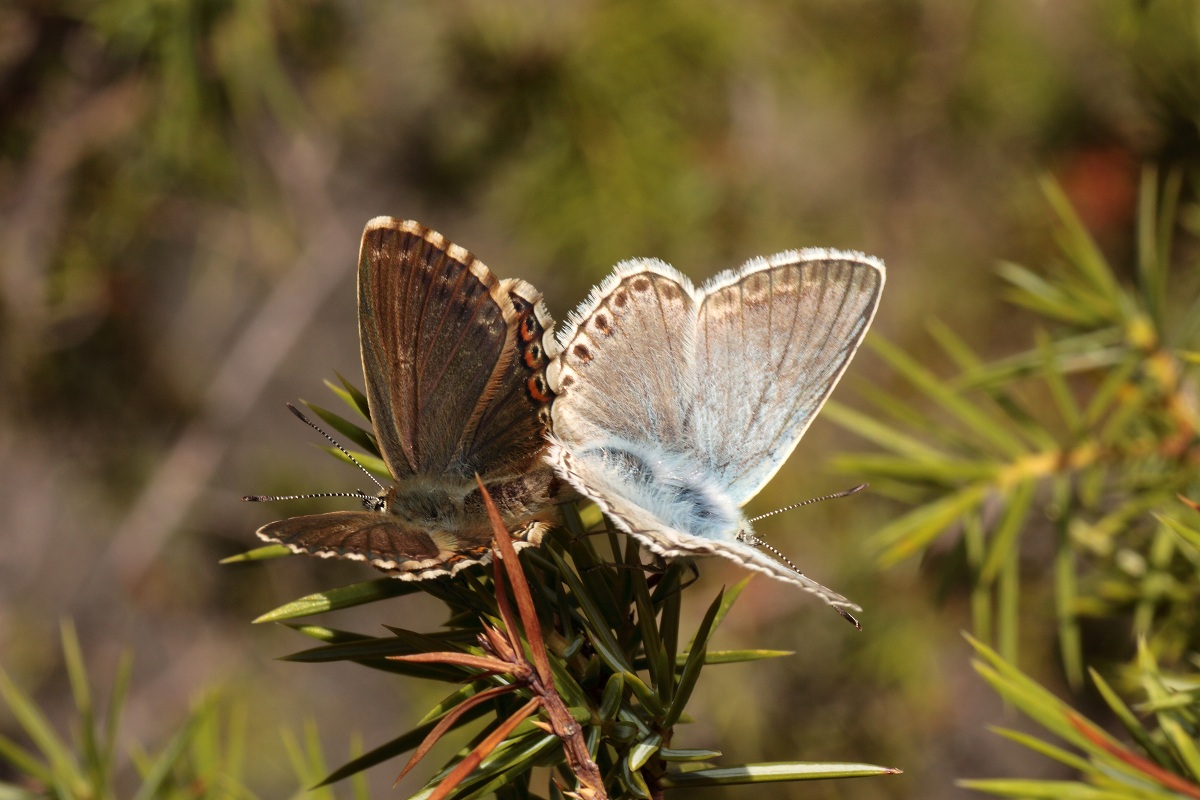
(772, 342)
(436, 344)
(627, 360)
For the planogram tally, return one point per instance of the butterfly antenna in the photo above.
(335, 443)
(834, 496)
(263, 498)
(270, 498)
(757, 542)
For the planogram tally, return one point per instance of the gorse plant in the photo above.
(1163, 761)
(1074, 449)
(204, 758)
(589, 679)
(1085, 448)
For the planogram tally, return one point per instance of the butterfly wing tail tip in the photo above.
(846, 615)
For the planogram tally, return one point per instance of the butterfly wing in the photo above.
(624, 367)
(509, 434)
(385, 542)
(644, 519)
(675, 406)
(772, 341)
(445, 372)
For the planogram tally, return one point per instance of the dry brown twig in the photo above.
(505, 655)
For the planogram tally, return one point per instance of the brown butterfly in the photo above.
(455, 367)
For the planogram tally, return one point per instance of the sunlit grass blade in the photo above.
(1065, 603)
(908, 535)
(1130, 722)
(1085, 255)
(1040, 790)
(1008, 605)
(986, 427)
(89, 744)
(347, 429)
(770, 773)
(352, 396)
(1085, 352)
(63, 769)
(343, 597)
(371, 463)
(1006, 536)
(688, 755)
(1032, 291)
(1082, 765)
(161, 768)
(264, 553)
(882, 434)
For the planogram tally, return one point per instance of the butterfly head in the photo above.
(378, 502)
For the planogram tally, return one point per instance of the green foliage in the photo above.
(205, 758)
(601, 631)
(1063, 450)
(1163, 763)
(204, 753)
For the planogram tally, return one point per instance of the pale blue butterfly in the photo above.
(676, 405)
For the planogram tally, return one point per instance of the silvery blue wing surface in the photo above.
(454, 362)
(675, 405)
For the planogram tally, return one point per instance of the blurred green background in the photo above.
(182, 189)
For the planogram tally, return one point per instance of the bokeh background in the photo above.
(182, 189)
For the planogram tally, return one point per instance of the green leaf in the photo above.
(693, 665)
(344, 597)
(371, 463)
(734, 656)
(399, 745)
(1189, 535)
(633, 780)
(1127, 719)
(1082, 765)
(346, 428)
(161, 770)
(263, 553)
(63, 768)
(771, 773)
(908, 535)
(1047, 790)
(883, 435)
(680, 755)
(1005, 538)
(985, 427)
(640, 753)
(352, 396)
(661, 674)
(614, 695)
(512, 758)
(24, 762)
(1085, 254)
